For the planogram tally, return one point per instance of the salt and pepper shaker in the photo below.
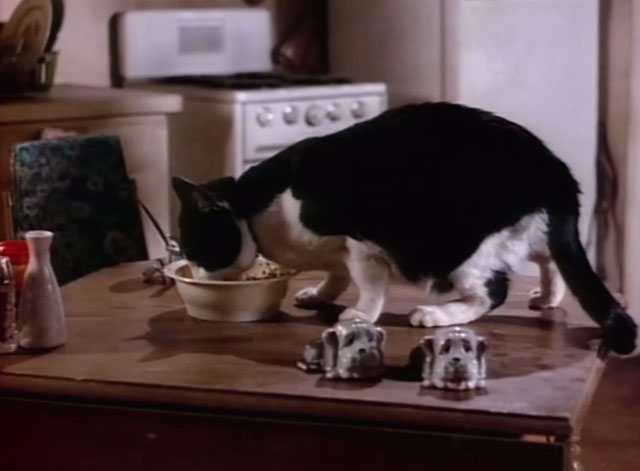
(41, 318)
(454, 358)
(351, 349)
(8, 330)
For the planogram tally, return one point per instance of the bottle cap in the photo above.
(16, 250)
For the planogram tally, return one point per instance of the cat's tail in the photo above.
(564, 243)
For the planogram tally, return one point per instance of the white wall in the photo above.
(536, 62)
(398, 42)
(533, 61)
(621, 112)
(6, 7)
(631, 180)
(615, 114)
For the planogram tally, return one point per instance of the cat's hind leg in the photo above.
(482, 280)
(552, 286)
(335, 283)
(479, 295)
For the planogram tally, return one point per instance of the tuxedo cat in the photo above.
(439, 194)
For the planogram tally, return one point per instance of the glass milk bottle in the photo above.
(41, 321)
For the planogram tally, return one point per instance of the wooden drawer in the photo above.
(128, 438)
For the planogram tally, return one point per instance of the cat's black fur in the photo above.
(427, 183)
(202, 210)
(498, 288)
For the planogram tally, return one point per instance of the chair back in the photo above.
(78, 188)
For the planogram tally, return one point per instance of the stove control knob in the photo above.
(290, 114)
(358, 110)
(314, 115)
(265, 117)
(334, 113)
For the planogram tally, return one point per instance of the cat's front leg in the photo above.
(336, 282)
(370, 272)
(552, 287)
(456, 312)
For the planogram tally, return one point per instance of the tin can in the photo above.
(8, 328)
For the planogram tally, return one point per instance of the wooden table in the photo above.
(142, 385)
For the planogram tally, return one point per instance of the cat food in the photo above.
(262, 269)
(265, 269)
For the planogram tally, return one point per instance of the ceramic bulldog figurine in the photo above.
(454, 359)
(351, 349)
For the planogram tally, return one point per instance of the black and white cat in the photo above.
(437, 193)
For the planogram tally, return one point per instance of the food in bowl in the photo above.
(256, 295)
(264, 269)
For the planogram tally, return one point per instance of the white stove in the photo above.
(232, 120)
(224, 132)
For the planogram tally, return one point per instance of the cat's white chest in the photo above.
(282, 238)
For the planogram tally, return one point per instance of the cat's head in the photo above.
(214, 241)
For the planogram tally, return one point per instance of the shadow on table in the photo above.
(135, 285)
(278, 341)
(338, 385)
(174, 332)
(130, 285)
(328, 315)
(22, 355)
(450, 395)
(518, 346)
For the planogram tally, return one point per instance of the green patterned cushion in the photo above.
(78, 188)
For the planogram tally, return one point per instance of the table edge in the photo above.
(255, 403)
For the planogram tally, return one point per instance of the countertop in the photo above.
(77, 101)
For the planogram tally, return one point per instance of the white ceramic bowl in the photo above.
(228, 301)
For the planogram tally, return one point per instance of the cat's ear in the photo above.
(190, 192)
(183, 187)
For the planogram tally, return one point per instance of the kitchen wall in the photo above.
(398, 42)
(6, 7)
(533, 61)
(622, 114)
(614, 112)
(631, 174)
(84, 39)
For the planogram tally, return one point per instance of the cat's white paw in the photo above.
(351, 313)
(429, 316)
(538, 302)
(309, 297)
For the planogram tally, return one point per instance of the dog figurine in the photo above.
(454, 358)
(351, 349)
